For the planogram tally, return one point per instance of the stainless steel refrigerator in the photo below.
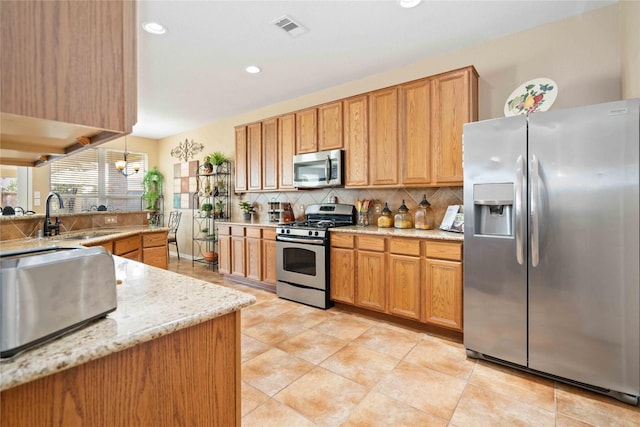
(551, 252)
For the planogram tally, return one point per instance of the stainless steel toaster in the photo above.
(47, 292)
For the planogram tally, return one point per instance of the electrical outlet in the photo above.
(110, 220)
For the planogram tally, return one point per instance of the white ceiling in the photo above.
(194, 74)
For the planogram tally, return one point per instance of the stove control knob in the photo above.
(310, 233)
(316, 233)
(288, 231)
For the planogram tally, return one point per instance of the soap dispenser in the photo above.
(424, 215)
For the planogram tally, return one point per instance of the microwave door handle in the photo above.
(327, 169)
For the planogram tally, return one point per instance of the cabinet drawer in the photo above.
(126, 245)
(404, 246)
(444, 250)
(224, 230)
(135, 255)
(150, 240)
(339, 240)
(237, 230)
(253, 232)
(371, 243)
(269, 233)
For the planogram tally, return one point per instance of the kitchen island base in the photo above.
(187, 378)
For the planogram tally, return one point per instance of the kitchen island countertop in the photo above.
(151, 303)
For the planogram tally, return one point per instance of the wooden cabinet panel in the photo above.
(371, 286)
(415, 132)
(50, 72)
(107, 245)
(134, 255)
(269, 261)
(126, 245)
(307, 131)
(404, 286)
(269, 233)
(237, 256)
(254, 232)
(340, 240)
(383, 137)
(237, 230)
(156, 256)
(253, 263)
(150, 240)
(286, 150)
(254, 156)
(371, 243)
(444, 250)
(398, 245)
(443, 293)
(356, 140)
(330, 126)
(343, 264)
(270, 154)
(241, 159)
(454, 104)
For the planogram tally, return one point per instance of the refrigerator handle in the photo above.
(519, 222)
(535, 214)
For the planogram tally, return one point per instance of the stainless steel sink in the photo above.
(47, 292)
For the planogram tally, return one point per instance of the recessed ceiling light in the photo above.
(252, 69)
(153, 28)
(409, 3)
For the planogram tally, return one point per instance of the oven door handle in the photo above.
(296, 240)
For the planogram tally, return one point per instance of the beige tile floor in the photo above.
(308, 367)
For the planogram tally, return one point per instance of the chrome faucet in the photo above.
(48, 227)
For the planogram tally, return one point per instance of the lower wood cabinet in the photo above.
(238, 266)
(269, 256)
(149, 248)
(417, 279)
(224, 249)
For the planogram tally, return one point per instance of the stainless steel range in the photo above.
(302, 256)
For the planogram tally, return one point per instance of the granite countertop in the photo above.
(152, 302)
(55, 214)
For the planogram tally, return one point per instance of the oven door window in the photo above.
(311, 172)
(299, 260)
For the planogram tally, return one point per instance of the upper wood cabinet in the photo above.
(241, 159)
(356, 140)
(286, 150)
(254, 156)
(270, 154)
(307, 131)
(454, 104)
(330, 126)
(415, 132)
(72, 62)
(383, 137)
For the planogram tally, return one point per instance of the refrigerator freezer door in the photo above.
(495, 283)
(583, 287)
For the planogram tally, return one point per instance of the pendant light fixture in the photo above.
(121, 165)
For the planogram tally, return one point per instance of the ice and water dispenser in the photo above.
(493, 205)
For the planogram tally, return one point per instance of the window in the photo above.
(89, 179)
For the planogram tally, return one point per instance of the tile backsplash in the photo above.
(439, 197)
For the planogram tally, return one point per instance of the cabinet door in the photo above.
(71, 62)
(156, 256)
(443, 296)
(307, 131)
(286, 150)
(404, 286)
(356, 140)
(253, 258)
(415, 132)
(237, 256)
(383, 137)
(270, 154)
(269, 261)
(343, 275)
(254, 156)
(241, 159)
(224, 254)
(371, 286)
(330, 126)
(454, 104)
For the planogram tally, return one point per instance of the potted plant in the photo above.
(152, 184)
(246, 209)
(206, 208)
(217, 158)
(220, 208)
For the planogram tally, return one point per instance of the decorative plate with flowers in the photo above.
(534, 95)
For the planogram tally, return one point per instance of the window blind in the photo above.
(89, 179)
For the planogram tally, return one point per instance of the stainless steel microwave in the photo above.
(316, 170)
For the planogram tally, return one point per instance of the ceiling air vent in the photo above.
(293, 28)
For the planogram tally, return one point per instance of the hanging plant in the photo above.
(152, 184)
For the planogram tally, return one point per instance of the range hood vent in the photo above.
(288, 24)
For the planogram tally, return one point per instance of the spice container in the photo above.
(385, 220)
(403, 218)
(424, 215)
